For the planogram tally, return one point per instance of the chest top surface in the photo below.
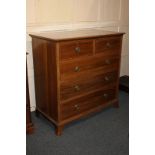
(73, 34)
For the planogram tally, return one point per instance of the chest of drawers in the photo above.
(76, 73)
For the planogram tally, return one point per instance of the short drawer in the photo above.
(75, 49)
(77, 86)
(77, 66)
(108, 45)
(85, 103)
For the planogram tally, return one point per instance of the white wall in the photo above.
(43, 15)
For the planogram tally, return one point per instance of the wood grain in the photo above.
(108, 45)
(75, 75)
(87, 63)
(45, 71)
(74, 87)
(85, 103)
(74, 34)
(74, 49)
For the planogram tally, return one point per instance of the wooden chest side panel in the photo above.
(52, 75)
(44, 59)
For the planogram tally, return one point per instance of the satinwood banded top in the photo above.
(74, 34)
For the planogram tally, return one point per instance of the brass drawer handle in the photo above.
(76, 106)
(77, 88)
(108, 62)
(105, 95)
(108, 44)
(77, 50)
(106, 78)
(77, 69)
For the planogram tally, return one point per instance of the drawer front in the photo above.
(77, 86)
(85, 103)
(108, 45)
(75, 49)
(82, 65)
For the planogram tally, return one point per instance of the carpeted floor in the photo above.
(105, 133)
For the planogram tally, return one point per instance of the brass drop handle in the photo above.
(77, 88)
(107, 61)
(77, 69)
(106, 78)
(77, 50)
(105, 95)
(108, 44)
(76, 106)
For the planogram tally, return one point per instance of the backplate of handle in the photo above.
(76, 106)
(108, 44)
(105, 95)
(106, 78)
(107, 61)
(77, 69)
(77, 88)
(77, 50)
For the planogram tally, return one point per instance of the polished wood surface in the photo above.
(73, 67)
(74, 34)
(45, 71)
(76, 86)
(86, 102)
(75, 77)
(108, 45)
(75, 49)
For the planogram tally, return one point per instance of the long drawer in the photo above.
(85, 103)
(77, 86)
(81, 65)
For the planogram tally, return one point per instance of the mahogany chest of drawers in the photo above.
(76, 73)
